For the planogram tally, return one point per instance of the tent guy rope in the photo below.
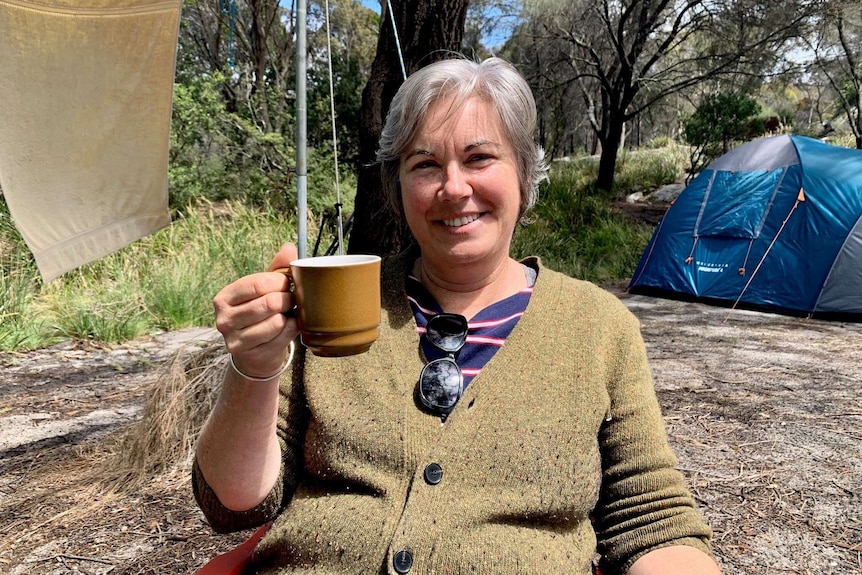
(799, 198)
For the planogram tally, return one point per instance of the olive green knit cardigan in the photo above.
(555, 455)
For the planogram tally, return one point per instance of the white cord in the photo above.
(334, 135)
(397, 40)
(271, 377)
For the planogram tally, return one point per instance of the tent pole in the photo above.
(301, 131)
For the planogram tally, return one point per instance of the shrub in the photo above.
(718, 121)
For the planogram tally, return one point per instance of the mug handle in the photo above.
(287, 272)
(291, 288)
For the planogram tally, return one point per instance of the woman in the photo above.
(530, 441)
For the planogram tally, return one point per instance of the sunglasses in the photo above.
(441, 381)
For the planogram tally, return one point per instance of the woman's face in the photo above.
(459, 185)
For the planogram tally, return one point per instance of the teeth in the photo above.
(457, 222)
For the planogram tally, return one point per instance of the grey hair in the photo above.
(495, 81)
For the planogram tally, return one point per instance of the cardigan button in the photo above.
(402, 561)
(433, 474)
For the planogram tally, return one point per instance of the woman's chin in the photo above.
(463, 254)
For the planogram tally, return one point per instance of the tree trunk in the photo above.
(610, 150)
(428, 30)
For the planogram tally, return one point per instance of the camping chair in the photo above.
(234, 561)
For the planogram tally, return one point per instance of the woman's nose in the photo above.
(455, 184)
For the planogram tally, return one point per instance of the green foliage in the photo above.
(217, 155)
(198, 163)
(718, 121)
(659, 142)
(579, 234)
(347, 89)
(104, 312)
(321, 182)
(636, 170)
(721, 118)
(19, 280)
(650, 168)
(227, 243)
(849, 89)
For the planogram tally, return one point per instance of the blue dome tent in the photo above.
(775, 224)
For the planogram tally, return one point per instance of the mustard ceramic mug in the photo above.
(337, 302)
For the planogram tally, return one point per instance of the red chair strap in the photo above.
(235, 560)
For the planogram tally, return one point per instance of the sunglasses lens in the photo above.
(447, 332)
(440, 384)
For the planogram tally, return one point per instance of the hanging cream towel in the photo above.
(85, 110)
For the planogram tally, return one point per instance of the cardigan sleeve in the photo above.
(644, 503)
(291, 426)
(224, 520)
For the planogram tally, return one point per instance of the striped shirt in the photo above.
(487, 330)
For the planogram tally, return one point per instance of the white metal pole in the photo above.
(301, 131)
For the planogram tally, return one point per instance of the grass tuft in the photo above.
(175, 411)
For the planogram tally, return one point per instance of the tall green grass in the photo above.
(577, 233)
(19, 281)
(163, 282)
(648, 168)
(575, 228)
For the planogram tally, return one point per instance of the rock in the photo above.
(666, 194)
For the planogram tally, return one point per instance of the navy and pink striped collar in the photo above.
(488, 329)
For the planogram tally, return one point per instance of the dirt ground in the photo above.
(764, 411)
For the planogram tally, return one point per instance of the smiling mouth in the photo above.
(462, 221)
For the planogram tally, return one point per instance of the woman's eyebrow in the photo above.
(418, 152)
(479, 144)
(467, 148)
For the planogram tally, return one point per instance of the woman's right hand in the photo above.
(250, 314)
(238, 451)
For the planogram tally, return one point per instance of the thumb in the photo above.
(282, 259)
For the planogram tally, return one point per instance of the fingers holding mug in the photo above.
(249, 315)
